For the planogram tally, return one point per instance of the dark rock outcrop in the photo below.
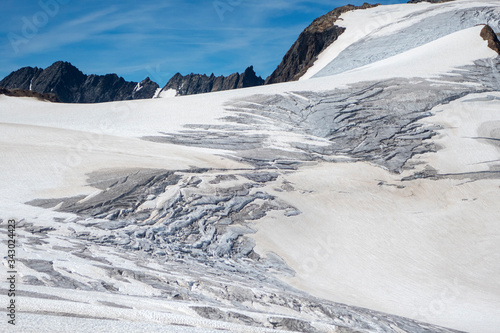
(70, 85)
(489, 35)
(29, 93)
(21, 79)
(201, 83)
(311, 42)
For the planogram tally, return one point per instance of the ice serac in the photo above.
(311, 42)
(70, 85)
(200, 83)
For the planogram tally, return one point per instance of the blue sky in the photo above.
(155, 38)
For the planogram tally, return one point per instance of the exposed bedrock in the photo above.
(70, 85)
(311, 42)
(29, 93)
(201, 83)
(489, 35)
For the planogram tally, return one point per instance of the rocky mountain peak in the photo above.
(146, 81)
(63, 66)
(21, 79)
(60, 78)
(326, 21)
(71, 85)
(311, 42)
(249, 71)
(201, 83)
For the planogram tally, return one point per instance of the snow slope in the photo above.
(381, 32)
(257, 209)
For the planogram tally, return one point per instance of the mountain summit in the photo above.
(361, 198)
(201, 83)
(72, 86)
(311, 42)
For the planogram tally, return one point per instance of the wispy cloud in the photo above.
(89, 18)
(161, 37)
(80, 29)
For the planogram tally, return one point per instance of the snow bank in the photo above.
(378, 33)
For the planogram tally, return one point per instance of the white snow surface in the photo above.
(162, 115)
(438, 57)
(59, 137)
(429, 250)
(167, 93)
(137, 87)
(387, 21)
(157, 93)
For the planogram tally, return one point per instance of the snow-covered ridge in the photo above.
(258, 209)
(378, 33)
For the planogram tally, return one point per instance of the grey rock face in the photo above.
(72, 86)
(21, 79)
(200, 83)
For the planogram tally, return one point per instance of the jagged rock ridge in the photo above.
(311, 42)
(70, 85)
(201, 83)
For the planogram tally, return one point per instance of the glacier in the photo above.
(362, 198)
